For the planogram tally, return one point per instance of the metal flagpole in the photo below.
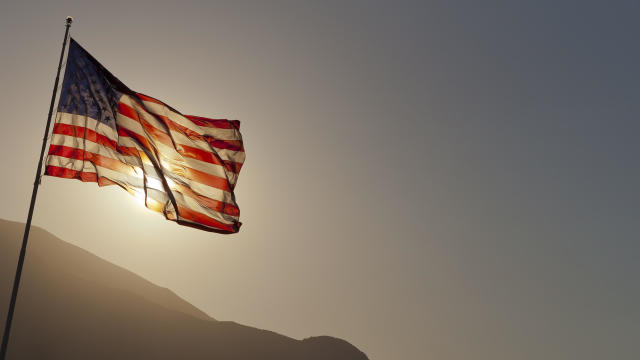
(23, 250)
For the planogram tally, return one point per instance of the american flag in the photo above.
(183, 166)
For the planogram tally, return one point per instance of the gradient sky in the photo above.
(427, 180)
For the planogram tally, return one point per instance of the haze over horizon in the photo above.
(424, 179)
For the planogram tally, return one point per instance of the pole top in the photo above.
(69, 20)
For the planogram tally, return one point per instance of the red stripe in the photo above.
(199, 154)
(80, 175)
(207, 179)
(65, 151)
(233, 145)
(128, 111)
(217, 123)
(192, 215)
(131, 113)
(210, 157)
(212, 204)
(234, 167)
(82, 132)
(156, 133)
(129, 151)
(70, 174)
(142, 141)
(177, 127)
(100, 160)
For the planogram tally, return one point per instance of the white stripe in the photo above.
(126, 180)
(89, 167)
(193, 204)
(158, 195)
(92, 147)
(133, 183)
(230, 155)
(89, 123)
(131, 124)
(63, 162)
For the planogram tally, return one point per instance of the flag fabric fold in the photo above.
(183, 166)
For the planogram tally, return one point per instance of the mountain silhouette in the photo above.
(75, 305)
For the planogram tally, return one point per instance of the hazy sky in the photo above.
(427, 180)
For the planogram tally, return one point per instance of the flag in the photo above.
(183, 166)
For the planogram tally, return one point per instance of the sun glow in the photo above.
(138, 195)
(149, 183)
(139, 198)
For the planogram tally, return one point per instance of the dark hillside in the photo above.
(105, 312)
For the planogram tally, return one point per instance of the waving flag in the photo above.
(183, 166)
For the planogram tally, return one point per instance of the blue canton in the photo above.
(88, 88)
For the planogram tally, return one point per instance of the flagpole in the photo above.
(25, 237)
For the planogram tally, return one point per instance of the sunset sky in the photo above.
(425, 179)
